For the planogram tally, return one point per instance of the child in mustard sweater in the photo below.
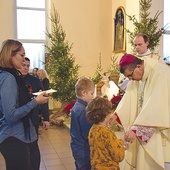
(106, 150)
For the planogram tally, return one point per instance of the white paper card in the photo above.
(50, 91)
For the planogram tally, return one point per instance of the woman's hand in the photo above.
(42, 98)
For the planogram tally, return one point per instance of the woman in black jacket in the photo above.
(43, 76)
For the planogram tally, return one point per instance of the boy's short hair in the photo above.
(98, 109)
(83, 84)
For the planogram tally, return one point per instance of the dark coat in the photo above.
(40, 109)
(46, 83)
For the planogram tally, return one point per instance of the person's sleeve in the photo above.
(41, 86)
(123, 84)
(75, 129)
(85, 125)
(144, 133)
(115, 146)
(10, 105)
(44, 111)
(46, 84)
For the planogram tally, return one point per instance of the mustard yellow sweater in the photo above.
(106, 150)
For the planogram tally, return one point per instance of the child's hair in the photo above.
(98, 109)
(83, 84)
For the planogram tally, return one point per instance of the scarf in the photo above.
(24, 95)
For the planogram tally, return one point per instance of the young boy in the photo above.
(80, 127)
(106, 150)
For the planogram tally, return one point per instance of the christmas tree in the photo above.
(146, 25)
(60, 63)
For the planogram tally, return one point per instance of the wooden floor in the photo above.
(55, 149)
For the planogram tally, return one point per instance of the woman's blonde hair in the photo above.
(43, 74)
(8, 49)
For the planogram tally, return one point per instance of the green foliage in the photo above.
(146, 25)
(116, 127)
(114, 68)
(60, 63)
(97, 76)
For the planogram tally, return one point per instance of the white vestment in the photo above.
(155, 112)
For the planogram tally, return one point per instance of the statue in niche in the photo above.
(119, 30)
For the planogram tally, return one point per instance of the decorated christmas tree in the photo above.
(60, 63)
(146, 25)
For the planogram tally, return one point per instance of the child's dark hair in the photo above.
(98, 109)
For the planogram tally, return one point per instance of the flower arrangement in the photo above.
(115, 100)
(69, 106)
(115, 126)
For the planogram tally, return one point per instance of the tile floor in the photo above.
(55, 150)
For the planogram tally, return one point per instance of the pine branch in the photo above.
(146, 25)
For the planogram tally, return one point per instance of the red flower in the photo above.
(69, 106)
(30, 90)
(115, 100)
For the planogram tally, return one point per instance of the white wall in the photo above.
(6, 20)
(158, 6)
(132, 8)
(89, 25)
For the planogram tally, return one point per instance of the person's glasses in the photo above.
(22, 55)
